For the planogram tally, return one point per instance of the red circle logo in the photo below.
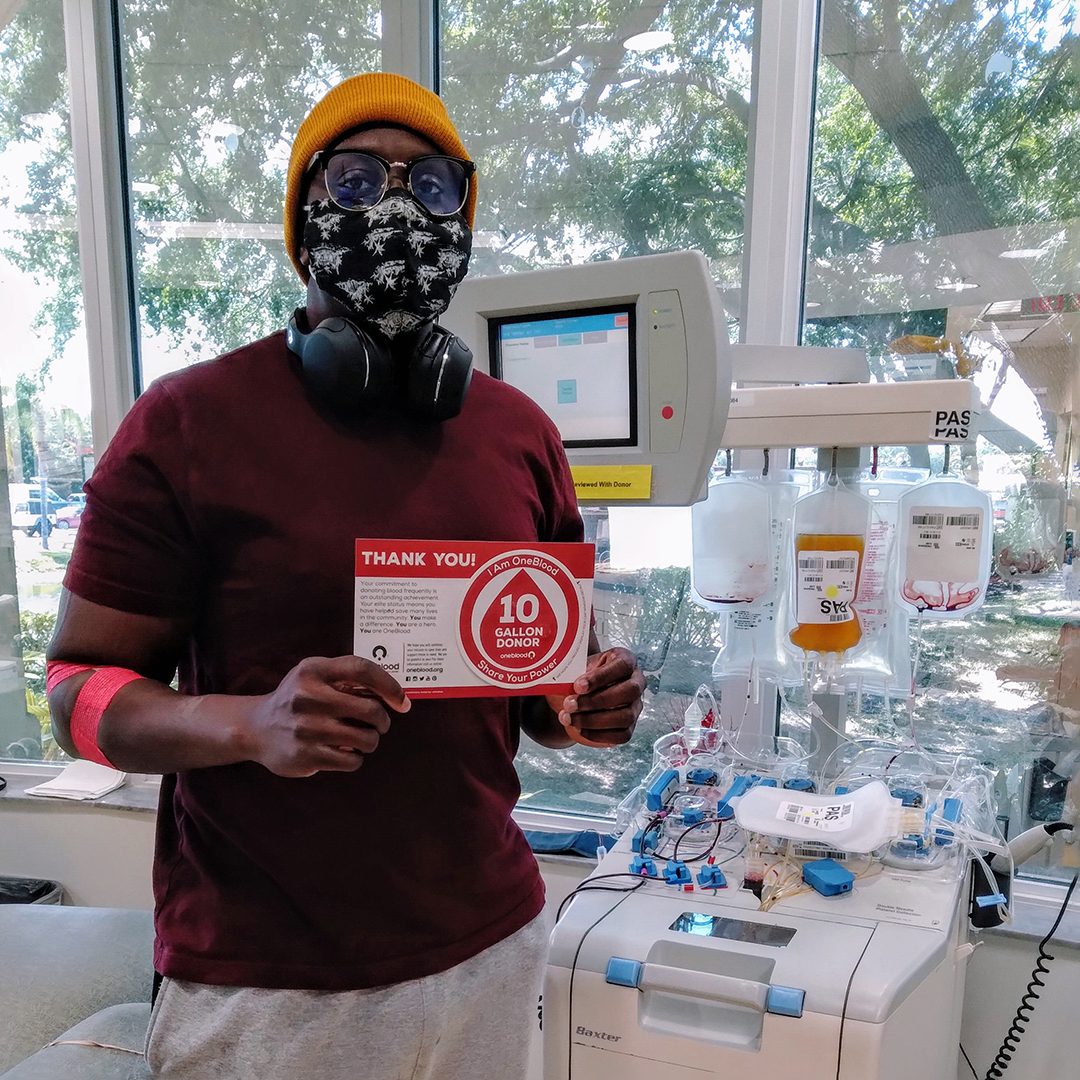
(521, 618)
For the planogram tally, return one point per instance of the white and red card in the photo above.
(474, 619)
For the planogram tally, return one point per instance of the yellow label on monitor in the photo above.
(610, 483)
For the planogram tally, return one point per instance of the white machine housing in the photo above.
(879, 973)
(680, 406)
(682, 360)
(854, 414)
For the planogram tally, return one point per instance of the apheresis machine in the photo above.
(793, 906)
(745, 942)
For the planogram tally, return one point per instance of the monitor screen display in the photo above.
(578, 366)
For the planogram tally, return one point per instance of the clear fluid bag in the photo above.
(751, 634)
(882, 664)
(732, 537)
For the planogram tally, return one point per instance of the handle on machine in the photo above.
(701, 984)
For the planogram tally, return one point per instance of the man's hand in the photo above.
(606, 701)
(325, 715)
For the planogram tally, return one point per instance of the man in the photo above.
(315, 917)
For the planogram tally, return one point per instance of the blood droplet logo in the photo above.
(522, 617)
(520, 625)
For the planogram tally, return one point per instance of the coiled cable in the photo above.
(1031, 995)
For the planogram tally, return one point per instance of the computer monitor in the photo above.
(629, 358)
(579, 366)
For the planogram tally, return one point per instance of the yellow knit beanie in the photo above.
(366, 99)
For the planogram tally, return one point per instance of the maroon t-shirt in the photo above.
(226, 497)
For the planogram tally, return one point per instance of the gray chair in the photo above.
(61, 966)
(122, 1030)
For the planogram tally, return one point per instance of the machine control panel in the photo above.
(667, 373)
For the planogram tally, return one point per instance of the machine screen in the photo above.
(578, 366)
(690, 922)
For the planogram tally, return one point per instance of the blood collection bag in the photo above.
(944, 543)
(733, 553)
(831, 526)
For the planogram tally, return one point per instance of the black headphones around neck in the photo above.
(350, 370)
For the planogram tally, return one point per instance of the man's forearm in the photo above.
(149, 728)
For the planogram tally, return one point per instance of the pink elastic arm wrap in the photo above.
(90, 703)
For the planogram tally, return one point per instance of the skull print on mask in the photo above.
(394, 267)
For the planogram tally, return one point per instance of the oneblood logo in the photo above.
(521, 618)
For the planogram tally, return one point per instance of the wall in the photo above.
(998, 973)
(100, 855)
(103, 858)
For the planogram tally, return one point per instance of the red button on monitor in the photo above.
(667, 412)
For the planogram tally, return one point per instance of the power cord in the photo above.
(574, 962)
(587, 886)
(1031, 995)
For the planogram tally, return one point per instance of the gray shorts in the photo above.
(474, 1021)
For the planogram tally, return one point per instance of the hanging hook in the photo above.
(874, 463)
(765, 466)
(833, 478)
(727, 463)
(948, 454)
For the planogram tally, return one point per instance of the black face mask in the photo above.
(393, 267)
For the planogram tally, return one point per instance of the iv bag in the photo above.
(733, 557)
(882, 664)
(945, 545)
(830, 530)
(750, 633)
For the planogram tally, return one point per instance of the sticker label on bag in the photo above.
(826, 586)
(461, 619)
(944, 543)
(833, 817)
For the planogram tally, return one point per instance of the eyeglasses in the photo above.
(357, 180)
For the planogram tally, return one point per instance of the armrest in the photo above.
(61, 964)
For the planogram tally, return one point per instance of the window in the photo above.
(600, 133)
(214, 94)
(945, 239)
(43, 368)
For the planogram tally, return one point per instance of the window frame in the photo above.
(784, 75)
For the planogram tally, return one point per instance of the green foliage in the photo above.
(586, 150)
(35, 633)
(1012, 133)
(38, 707)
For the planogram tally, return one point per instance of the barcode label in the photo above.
(825, 817)
(826, 585)
(848, 564)
(945, 544)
